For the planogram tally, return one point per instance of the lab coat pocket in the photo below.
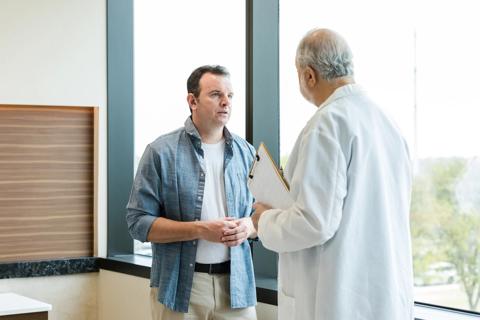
(286, 306)
(286, 273)
(286, 286)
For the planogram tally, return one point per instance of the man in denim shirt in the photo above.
(190, 200)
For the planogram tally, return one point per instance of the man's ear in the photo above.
(310, 77)
(192, 101)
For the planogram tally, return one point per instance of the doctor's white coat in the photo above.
(344, 244)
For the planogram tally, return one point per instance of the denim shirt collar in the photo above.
(197, 140)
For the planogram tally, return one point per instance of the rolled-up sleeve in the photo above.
(318, 187)
(144, 204)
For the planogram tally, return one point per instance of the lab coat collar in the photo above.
(343, 91)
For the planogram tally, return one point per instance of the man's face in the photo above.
(212, 107)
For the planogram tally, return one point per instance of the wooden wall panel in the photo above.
(47, 182)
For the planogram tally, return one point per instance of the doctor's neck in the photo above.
(326, 88)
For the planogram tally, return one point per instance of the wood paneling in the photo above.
(47, 182)
(26, 316)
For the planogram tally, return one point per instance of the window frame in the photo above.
(262, 63)
(262, 57)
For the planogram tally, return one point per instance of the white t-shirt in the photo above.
(214, 204)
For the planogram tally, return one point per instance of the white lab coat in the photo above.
(345, 251)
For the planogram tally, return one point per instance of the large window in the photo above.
(171, 39)
(418, 60)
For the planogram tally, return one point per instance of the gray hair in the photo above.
(327, 53)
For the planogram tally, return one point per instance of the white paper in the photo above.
(266, 182)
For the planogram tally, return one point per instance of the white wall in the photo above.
(124, 297)
(72, 297)
(53, 52)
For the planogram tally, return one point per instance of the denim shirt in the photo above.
(170, 183)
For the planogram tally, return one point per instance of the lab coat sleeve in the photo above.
(318, 186)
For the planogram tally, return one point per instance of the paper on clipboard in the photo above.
(266, 183)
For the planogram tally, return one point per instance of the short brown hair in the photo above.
(193, 82)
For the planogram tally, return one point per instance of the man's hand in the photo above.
(213, 230)
(244, 229)
(259, 209)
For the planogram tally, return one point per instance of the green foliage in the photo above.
(441, 231)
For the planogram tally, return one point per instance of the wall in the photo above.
(53, 52)
(125, 297)
(72, 297)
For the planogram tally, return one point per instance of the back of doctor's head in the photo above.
(327, 53)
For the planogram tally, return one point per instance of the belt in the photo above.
(215, 268)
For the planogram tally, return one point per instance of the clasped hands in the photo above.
(229, 231)
(236, 231)
(232, 232)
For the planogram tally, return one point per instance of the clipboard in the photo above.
(266, 182)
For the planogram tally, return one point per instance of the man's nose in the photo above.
(226, 101)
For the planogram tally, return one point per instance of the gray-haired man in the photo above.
(344, 244)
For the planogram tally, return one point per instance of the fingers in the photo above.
(234, 239)
(229, 231)
(238, 229)
(230, 223)
(235, 236)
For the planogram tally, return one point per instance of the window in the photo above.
(169, 43)
(418, 60)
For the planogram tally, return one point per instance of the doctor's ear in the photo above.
(310, 76)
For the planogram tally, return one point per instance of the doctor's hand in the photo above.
(244, 230)
(259, 208)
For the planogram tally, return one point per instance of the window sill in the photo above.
(428, 312)
(267, 287)
(44, 268)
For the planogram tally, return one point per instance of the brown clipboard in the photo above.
(266, 182)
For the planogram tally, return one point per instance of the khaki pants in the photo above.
(209, 300)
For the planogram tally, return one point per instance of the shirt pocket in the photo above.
(243, 197)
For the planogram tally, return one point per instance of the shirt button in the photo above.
(194, 242)
(191, 265)
(199, 197)
(202, 174)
